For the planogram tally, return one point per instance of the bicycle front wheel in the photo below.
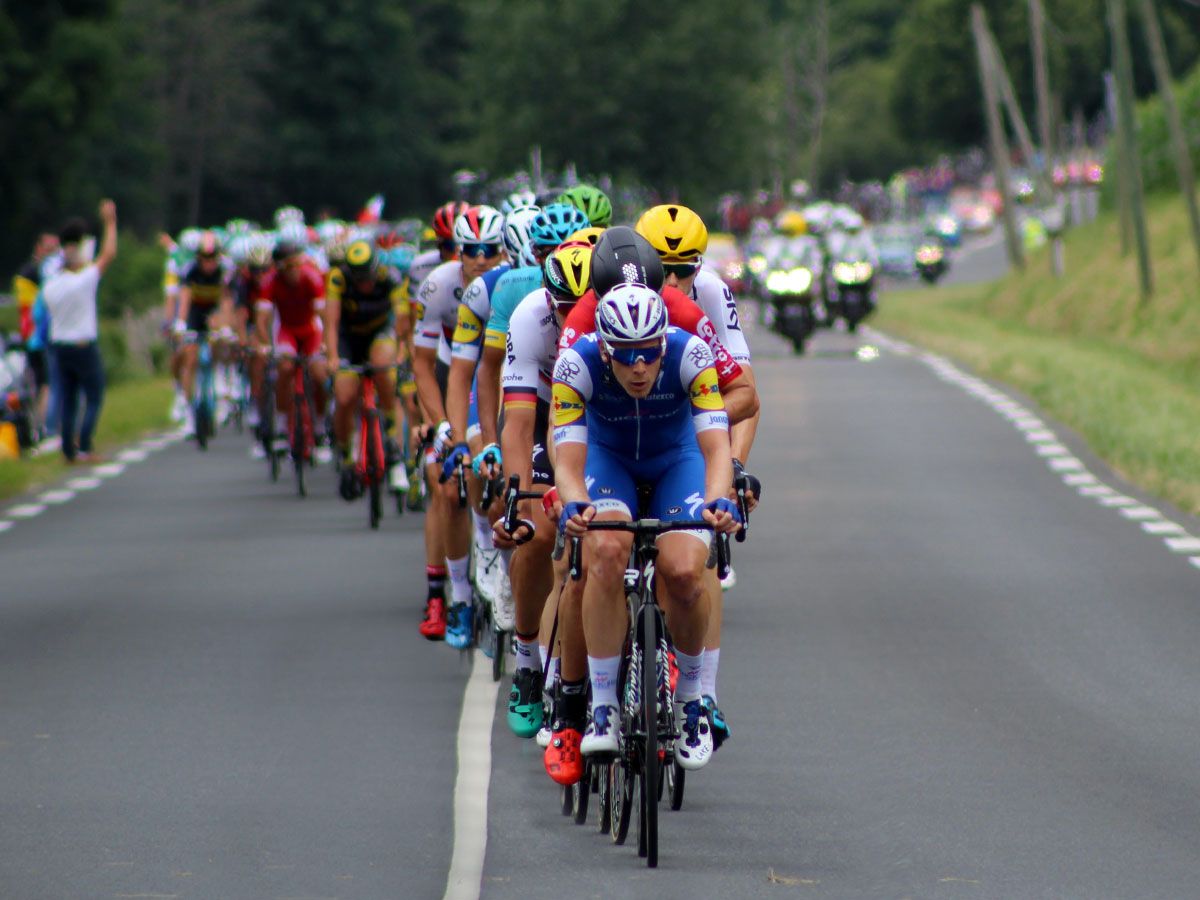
(648, 837)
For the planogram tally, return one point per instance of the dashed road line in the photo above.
(1058, 457)
(63, 495)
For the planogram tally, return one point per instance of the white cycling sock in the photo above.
(688, 687)
(604, 673)
(527, 654)
(281, 424)
(459, 582)
(708, 672)
(552, 672)
(483, 531)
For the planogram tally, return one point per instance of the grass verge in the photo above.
(131, 409)
(1124, 375)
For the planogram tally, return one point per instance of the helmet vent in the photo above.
(673, 212)
(673, 243)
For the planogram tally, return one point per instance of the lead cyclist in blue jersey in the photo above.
(637, 403)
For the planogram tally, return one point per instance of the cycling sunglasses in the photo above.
(629, 356)
(681, 270)
(475, 251)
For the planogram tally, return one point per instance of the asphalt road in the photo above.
(948, 673)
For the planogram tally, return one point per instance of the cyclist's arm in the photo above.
(741, 398)
(333, 319)
(185, 303)
(488, 384)
(718, 463)
(569, 427)
(424, 372)
(743, 430)
(709, 418)
(458, 395)
(263, 308)
(516, 441)
(568, 474)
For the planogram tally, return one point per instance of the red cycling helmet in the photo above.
(443, 219)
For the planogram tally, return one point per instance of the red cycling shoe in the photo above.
(434, 626)
(564, 762)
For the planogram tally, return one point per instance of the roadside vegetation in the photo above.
(1124, 375)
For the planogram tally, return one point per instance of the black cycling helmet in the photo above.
(623, 256)
(283, 250)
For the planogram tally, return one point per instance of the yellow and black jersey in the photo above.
(207, 288)
(365, 312)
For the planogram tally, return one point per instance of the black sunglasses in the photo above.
(681, 270)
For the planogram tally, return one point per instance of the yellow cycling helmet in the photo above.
(591, 235)
(792, 223)
(566, 273)
(677, 233)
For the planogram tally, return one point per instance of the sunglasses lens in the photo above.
(681, 270)
(628, 356)
(478, 250)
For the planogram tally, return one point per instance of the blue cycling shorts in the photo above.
(677, 476)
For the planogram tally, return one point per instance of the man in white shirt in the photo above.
(70, 296)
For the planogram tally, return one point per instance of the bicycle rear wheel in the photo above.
(648, 834)
(374, 450)
(298, 461)
(203, 424)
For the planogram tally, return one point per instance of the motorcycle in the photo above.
(931, 262)
(790, 298)
(17, 391)
(854, 292)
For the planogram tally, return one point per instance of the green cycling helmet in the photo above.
(591, 201)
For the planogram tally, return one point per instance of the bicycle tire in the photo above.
(581, 793)
(676, 783)
(567, 800)
(298, 450)
(620, 789)
(648, 834)
(374, 451)
(502, 642)
(202, 425)
(604, 798)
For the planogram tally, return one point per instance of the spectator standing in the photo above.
(27, 285)
(70, 297)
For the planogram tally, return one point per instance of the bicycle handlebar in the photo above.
(512, 496)
(643, 528)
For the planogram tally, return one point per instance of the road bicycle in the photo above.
(301, 428)
(370, 464)
(204, 399)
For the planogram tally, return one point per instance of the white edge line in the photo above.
(5, 525)
(465, 879)
(27, 510)
(1195, 561)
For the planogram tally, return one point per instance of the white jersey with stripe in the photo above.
(436, 308)
(531, 351)
(714, 297)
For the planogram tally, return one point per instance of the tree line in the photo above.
(196, 110)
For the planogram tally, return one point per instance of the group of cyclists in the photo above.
(601, 365)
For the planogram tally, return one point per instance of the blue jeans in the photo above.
(79, 370)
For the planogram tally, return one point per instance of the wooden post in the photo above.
(996, 139)
(1041, 79)
(1124, 219)
(1125, 100)
(1179, 147)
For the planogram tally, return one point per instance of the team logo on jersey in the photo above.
(567, 404)
(606, 491)
(674, 510)
(566, 369)
(468, 327)
(700, 356)
(704, 391)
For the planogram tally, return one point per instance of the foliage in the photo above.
(134, 280)
(1154, 140)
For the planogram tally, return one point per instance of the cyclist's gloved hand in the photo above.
(723, 514)
(179, 326)
(441, 438)
(549, 500)
(575, 516)
(460, 453)
(489, 455)
(753, 485)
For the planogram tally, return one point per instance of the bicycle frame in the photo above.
(371, 466)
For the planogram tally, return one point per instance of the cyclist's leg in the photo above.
(345, 394)
(433, 626)
(382, 355)
(286, 349)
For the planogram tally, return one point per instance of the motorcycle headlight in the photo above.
(779, 282)
(801, 280)
(758, 264)
(929, 255)
(864, 271)
(843, 273)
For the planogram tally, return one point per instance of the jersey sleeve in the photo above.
(572, 389)
(473, 311)
(521, 374)
(685, 314)
(428, 331)
(498, 314)
(717, 302)
(698, 374)
(580, 321)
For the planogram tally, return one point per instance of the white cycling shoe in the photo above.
(694, 747)
(603, 734)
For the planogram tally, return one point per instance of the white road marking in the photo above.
(1059, 457)
(27, 510)
(1163, 527)
(1184, 544)
(465, 879)
(1141, 513)
(132, 455)
(1065, 464)
(84, 484)
(57, 497)
(1051, 450)
(111, 470)
(5, 525)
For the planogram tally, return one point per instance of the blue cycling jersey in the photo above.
(506, 297)
(473, 311)
(590, 406)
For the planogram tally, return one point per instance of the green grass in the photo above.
(1123, 374)
(131, 409)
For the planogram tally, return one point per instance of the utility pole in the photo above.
(1125, 99)
(1041, 79)
(996, 139)
(1162, 74)
(1124, 216)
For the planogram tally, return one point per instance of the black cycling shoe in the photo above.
(348, 484)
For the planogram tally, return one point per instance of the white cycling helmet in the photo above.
(516, 236)
(293, 233)
(517, 200)
(479, 225)
(630, 313)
